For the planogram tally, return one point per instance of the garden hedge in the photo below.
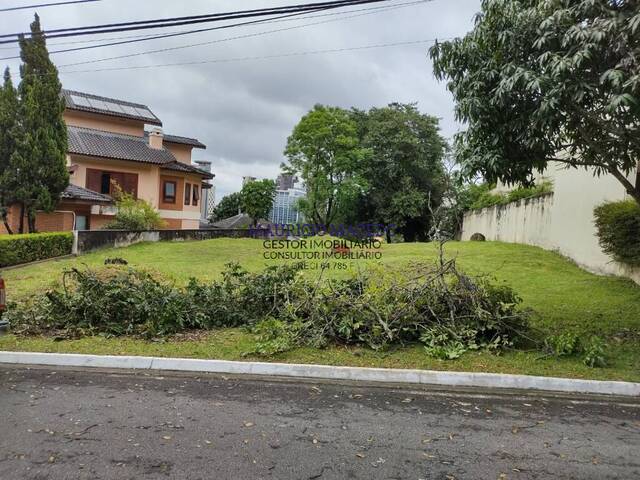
(19, 249)
(618, 226)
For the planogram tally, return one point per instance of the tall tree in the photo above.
(257, 199)
(324, 150)
(538, 81)
(405, 174)
(229, 206)
(40, 156)
(8, 110)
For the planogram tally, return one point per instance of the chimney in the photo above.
(155, 138)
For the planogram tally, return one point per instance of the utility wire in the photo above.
(124, 42)
(148, 35)
(243, 59)
(266, 57)
(43, 5)
(369, 11)
(178, 21)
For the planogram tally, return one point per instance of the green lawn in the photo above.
(564, 297)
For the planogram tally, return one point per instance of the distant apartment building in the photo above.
(285, 204)
(110, 148)
(248, 179)
(285, 182)
(208, 194)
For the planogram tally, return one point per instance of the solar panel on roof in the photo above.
(129, 110)
(80, 101)
(144, 113)
(98, 104)
(114, 107)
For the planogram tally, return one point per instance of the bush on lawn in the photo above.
(438, 306)
(19, 249)
(618, 226)
(134, 214)
(570, 345)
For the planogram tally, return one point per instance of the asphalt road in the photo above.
(101, 425)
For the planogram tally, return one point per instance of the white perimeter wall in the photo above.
(561, 221)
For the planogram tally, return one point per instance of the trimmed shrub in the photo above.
(19, 249)
(618, 226)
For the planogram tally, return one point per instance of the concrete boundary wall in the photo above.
(561, 221)
(525, 221)
(87, 241)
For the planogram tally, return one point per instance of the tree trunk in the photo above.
(5, 220)
(632, 190)
(31, 219)
(21, 223)
(388, 235)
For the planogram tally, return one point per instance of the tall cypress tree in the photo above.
(40, 156)
(8, 120)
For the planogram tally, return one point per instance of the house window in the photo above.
(169, 192)
(196, 195)
(187, 194)
(105, 183)
(82, 222)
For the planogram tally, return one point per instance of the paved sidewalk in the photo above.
(63, 424)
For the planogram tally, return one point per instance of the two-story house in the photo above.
(108, 146)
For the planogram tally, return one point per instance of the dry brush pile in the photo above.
(436, 305)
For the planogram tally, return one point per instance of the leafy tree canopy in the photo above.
(324, 149)
(405, 172)
(134, 214)
(229, 206)
(547, 80)
(257, 198)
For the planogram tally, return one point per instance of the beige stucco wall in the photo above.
(148, 188)
(561, 221)
(148, 175)
(101, 122)
(180, 151)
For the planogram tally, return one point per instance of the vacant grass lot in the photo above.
(564, 297)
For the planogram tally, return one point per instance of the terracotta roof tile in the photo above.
(182, 140)
(118, 146)
(97, 143)
(183, 167)
(74, 192)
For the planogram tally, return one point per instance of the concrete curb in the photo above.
(381, 375)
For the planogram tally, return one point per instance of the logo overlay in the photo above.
(321, 247)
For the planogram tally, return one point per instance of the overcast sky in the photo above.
(244, 110)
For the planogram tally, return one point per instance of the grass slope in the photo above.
(564, 297)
